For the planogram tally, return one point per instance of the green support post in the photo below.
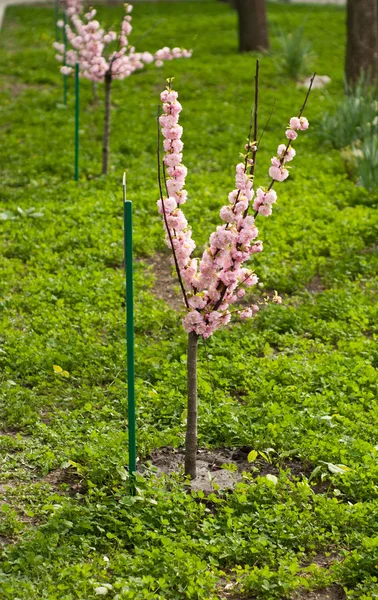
(77, 116)
(64, 57)
(128, 239)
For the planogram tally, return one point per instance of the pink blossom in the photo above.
(66, 70)
(275, 173)
(265, 210)
(192, 320)
(257, 247)
(270, 197)
(285, 154)
(232, 196)
(197, 302)
(169, 205)
(291, 134)
(172, 159)
(295, 123)
(278, 174)
(304, 124)
(221, 238)
(227, 214)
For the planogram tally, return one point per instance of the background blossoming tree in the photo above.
(219, 279)
(93, 49)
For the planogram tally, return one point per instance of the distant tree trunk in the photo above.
(361, 53)
(253, 26)
(106, 138)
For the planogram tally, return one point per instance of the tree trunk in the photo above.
(191, 424)
(106, 138)
(253, 27)
(361, 53)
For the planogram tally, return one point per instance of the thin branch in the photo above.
(148, 32)
(307, 95)
(289, 142)
(224, 290)
(252, 170)
(255, 117)
(266, 124)
(165, 219)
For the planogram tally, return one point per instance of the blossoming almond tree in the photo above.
(212, 284)
(98, 63)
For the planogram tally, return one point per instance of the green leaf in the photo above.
(272, 478)
(252, 456)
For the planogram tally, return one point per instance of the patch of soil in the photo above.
(64, 476)
(333, 592)
(13, 434)
(165, 283)
(60, 479)
(229, 588)
(370, 249)
(209, 466)
(4, 541)
(168, 460)
(323, 561)
(316, 285)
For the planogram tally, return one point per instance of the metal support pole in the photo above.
(128, 233)
(77, 116)
(64, 57)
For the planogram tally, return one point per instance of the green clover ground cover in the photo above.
(299, 380)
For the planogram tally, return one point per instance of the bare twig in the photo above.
(147, 32)
(222, 285)
(255, 117)
(299, 116)
(266, 124)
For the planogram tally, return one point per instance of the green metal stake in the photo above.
(128, 233)
(64, 57)
(77, 115)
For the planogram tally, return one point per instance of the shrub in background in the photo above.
(295, 55)
(353, 128)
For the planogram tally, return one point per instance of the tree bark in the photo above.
(253, 26)
(106, 138)
(361, 52)
(191, 441)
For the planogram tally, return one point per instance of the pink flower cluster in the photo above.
(219, 279)
(88, 47)
(174, 218)
(265, 197)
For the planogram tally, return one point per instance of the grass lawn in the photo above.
(298, 383)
